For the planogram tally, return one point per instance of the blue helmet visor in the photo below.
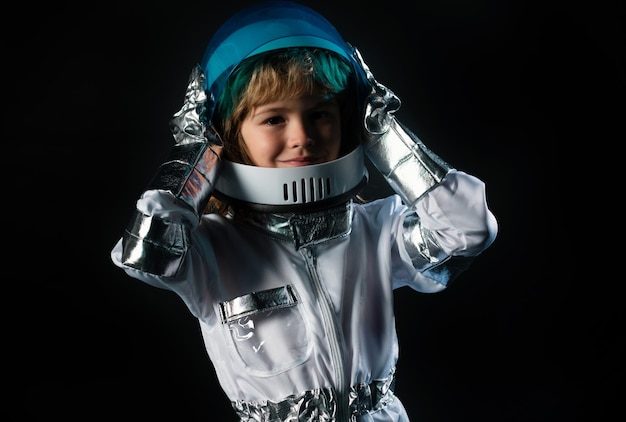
(266, 26)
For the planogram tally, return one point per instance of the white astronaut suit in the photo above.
(295, 300)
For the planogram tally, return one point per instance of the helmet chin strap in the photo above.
(294, 189)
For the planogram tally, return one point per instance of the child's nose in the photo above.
(299, 135)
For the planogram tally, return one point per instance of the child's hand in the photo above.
(188, 124)
(381, 103)
(192, 166)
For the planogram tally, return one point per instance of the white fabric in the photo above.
(343, 327)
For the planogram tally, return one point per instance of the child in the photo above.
(254, 220)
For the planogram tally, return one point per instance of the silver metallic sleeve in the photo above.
(155, 244)
(410, 168)
(427, 255)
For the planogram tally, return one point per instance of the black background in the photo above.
(525, 95)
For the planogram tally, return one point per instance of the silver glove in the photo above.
(193, 164)
(410, 168)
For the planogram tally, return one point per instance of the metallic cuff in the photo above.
(153, 245)
(427, 255)
(190, 173)
(410, 168)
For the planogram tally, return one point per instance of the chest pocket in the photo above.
(267, 329)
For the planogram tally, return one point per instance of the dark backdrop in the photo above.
(492, 86)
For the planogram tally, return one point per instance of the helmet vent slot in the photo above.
(307, 190)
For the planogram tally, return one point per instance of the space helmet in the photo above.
(263, 27)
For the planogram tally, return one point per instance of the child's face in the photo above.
(293, 132)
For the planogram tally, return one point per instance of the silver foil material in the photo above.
(319, 405)
(410, 168)
(189, 174)
(304, 229)
(153, 245)
(190, 171)
(427, 255)
(265, 300)
(421, 245)
(187, 125)
(157, 246)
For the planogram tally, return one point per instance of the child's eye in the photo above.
(273, 120)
